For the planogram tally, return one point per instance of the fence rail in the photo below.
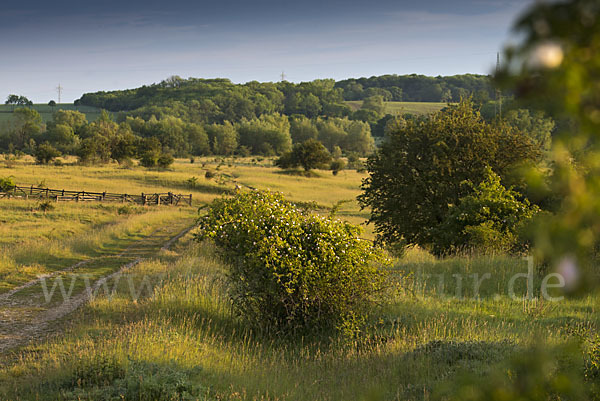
(61, 195)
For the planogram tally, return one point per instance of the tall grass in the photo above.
(413, 343)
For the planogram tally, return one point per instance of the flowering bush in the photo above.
(291, 270)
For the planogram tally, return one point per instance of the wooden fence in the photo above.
(60, 195)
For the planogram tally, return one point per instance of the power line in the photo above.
(59, 89)
(498, 104)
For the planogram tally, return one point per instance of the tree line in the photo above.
(217, 100)
(418, 88)
(156, 141)
(193, 117)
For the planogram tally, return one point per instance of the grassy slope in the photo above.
(92, 113)
(423, 338)
(417, 108)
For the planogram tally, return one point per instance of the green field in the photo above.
(418, 108)
(180, 336)
(91, 113)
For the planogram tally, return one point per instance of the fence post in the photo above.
(158, 199)
(143, 199)
(103, 195)
(190, 199)
(31, 190)
(47, 190)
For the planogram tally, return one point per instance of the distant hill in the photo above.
(219, 100)
(417, 88)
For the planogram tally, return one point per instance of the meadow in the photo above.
(47, 112)
(399, 108)
(442, 317)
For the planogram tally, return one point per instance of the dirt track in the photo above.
(25, 317)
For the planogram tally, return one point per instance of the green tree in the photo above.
(165, 160)
(490, 218)
(63, 137)
(337, 165)
(268, 135)
(309, 154)
(374, 103)
(72, 118)
(331, 132)
(197, 139)
(302, 129)
(224, 138)
(534, 124)
(26, 125)
(12, 99)
(358, 138)
(416, 175)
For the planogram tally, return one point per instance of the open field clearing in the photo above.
(417, 108)
(47, 112)
(187, 178)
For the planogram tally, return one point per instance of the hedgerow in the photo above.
(290, 270)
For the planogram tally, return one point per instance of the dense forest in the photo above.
(418, 88)
(217, 100)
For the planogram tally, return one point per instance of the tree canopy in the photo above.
(418, 174)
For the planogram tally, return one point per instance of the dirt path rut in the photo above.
(24, 316)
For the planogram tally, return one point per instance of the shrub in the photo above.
(106, 378)
(6, 184)
(209, 174)
(150, 158)
(354, 161)
(309, 154)
(192, 182)
(292, 271)
(45, 206)
(165, 160)
(45, 153)
(337, 165)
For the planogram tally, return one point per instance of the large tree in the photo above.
(420, 170)
(309, 154)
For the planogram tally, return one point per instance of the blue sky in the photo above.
(104, 45)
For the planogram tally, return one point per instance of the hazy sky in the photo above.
(107, 44)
